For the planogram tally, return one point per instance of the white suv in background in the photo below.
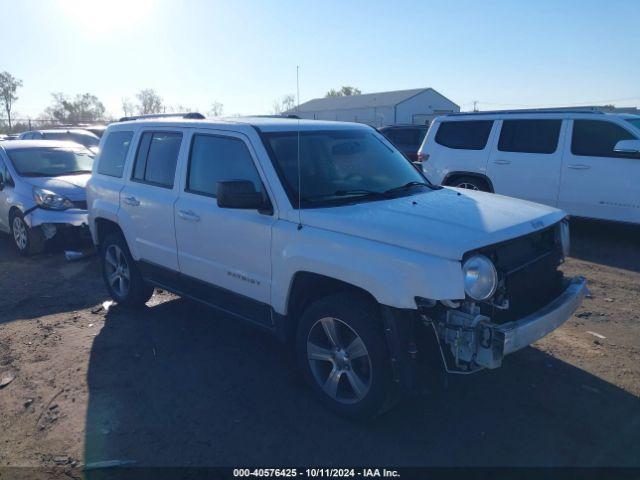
(326, 235)
(586, 163)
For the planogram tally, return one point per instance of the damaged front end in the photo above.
(529, 299)
(470, 341)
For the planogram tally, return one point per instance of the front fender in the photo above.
(393, 276)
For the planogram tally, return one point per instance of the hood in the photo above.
(71, 186)
(447, 223)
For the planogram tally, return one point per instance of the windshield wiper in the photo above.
(408, 185)
(72, 172)
(34, 174)
(360, 193)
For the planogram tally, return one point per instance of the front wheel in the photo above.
(121, 275)
(342, 351)
(28, 241)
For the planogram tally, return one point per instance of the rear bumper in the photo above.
(513, 336)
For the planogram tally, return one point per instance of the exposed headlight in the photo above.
(565, 238)
(51, 200)
(480, 277)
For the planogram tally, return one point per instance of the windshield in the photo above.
(341, 166)
(635, 122)
(50, 162)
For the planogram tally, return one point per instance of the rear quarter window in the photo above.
(114, 154)
(464, 135)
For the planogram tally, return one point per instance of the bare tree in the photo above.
(179, 108)
(128, 107)
(216, 109)
(82, 108)
(344, 91)
(285, 104)
(8, 87)
(149, 102)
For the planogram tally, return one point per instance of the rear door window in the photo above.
(464, 135)
(529, 136)
(157, 158)
(597, 138)
(114, 154)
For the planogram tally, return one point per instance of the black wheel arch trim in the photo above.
(479, 176)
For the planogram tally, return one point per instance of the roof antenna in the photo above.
(299, 170)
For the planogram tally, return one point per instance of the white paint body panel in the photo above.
(221, 246)
(531, 176)
(601, 187)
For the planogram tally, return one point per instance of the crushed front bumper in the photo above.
(513, 336)
(73, 216)
(524, 332)
(474, 341)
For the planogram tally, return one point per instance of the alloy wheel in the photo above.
(117, 270)
(468, 186)
(20, 233)
(339, 360)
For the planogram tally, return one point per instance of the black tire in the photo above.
(33, 240)
(362, 317)
(134, 292)
(471, 183)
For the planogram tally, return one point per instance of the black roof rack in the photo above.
(530, 110)
(284, 115)
(188, 115)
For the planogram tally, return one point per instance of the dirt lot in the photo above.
(180, 385)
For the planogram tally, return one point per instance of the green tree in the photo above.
(8, 87)
(344, 91)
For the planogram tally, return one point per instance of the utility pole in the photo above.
(475, 105)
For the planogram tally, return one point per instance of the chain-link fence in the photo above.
(19, 125)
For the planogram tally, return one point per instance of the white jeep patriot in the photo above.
(326, 235)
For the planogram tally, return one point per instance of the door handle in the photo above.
(188, 215)
(579, 167)
(130, 200)
(502, 162)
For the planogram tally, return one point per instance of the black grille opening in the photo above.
(528, 272)
(82, 205)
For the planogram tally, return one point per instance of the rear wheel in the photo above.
(121, 274)
(342, 351)
(470, 183)
(28, 241)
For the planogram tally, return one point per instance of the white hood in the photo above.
(445, 223)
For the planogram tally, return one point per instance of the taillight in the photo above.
(423, 157)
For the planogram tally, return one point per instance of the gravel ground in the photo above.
(180, 385)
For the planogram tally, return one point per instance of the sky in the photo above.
(244, 53)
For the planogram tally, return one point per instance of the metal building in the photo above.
(416, 106)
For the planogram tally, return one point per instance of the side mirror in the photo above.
(240, 194)
(629, 148)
